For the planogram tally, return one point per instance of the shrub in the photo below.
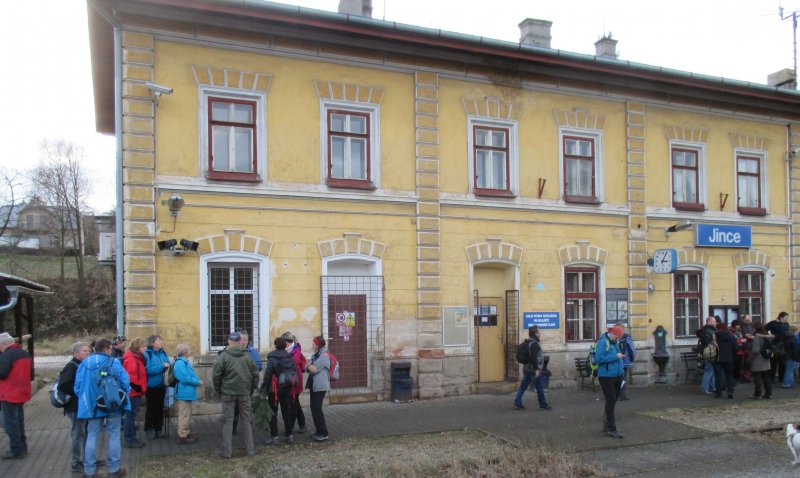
(59, 313)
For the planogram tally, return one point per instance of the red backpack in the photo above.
(334, 370)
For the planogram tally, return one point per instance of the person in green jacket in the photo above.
(235, 377)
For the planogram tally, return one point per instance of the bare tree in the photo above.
(62, 183)
(12, 198)
(8, 198)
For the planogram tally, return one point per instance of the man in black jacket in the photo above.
(532, 371)
(779, 328)
(66, 384)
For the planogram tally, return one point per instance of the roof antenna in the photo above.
(793, 16)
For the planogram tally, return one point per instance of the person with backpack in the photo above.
(235, 377)
(627, 347)
(319, 383)
(296, 351)
(723, 365)
(135, 364)
(102, 385)
(157, 363)
(779, 328)
(760, 354)
(705, 336)
(15, 390)
(186, 384)
(256, 359)
(610, 372)
(66, 386)
(532, 371)
(280, 377)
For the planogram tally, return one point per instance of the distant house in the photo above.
(33, 225)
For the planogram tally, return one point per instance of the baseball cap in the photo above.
(235, 337)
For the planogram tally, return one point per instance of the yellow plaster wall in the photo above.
(293, 107)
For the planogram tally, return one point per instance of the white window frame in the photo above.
(702, 185)
(260, 98)
(262, 263)
(513, 151)
(374, 113)
(762, 158)
(599, 166)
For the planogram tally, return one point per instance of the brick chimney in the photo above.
(361, 8)
(606, 47)
(783, 79)
(535, 32)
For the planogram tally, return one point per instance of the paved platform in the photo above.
(651, 447)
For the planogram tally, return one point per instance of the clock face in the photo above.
(664, 261)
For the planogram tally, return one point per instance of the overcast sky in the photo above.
(46, 87)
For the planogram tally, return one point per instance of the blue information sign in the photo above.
(720, 235)
(545, 320)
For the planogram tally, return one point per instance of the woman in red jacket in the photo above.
(135, 364)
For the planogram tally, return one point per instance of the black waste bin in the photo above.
(402, 383)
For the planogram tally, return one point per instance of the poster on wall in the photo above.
(345, 322)
(455, 326)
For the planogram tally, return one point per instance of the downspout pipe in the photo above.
(119, 262)
(13, 292)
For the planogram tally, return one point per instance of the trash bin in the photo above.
(402, 383)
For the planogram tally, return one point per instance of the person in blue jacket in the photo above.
(627, 347)
(87, 391)
(185, 392)
(610, 372)
(157, 364)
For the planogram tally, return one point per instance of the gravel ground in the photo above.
(752, 416)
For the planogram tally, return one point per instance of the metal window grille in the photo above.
(512, 334)
(353, 326)
(233, 302)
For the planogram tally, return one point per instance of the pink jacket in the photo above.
(300, 360)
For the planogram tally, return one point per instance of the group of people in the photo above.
(236, 378)
(743, 352)
(612, 360)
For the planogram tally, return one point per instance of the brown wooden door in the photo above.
(347, 332)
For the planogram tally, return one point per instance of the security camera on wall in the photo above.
(159, 89)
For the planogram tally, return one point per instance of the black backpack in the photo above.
(288, 372)
(766, 349)
(524, 352)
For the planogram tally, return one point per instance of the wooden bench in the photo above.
(691, 360)
(585, 370)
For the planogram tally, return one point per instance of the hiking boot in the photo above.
(302, 429)
(271, 441)
(133, 444)
(188, 440)
(290, 439)
(519, 407)
(77, 467)
(546, 408)
(150, 434)
(613, 434)
(11, 456)
(318, 437)
(119, 473)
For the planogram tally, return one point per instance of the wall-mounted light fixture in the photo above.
(679, 227)
(174, 203)
(171, 245)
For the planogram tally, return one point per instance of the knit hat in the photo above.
(317, 342)
(235, 337)
(617, 330)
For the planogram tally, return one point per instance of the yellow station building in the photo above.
(421, 196)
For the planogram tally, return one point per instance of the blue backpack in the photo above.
(110, 397)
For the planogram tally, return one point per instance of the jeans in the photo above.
(130, 420)
(154, 413)
(287, 407)
(723, 370)
(316, 413)
(611, 390)
(95, 426)
(788, 375)
(14, 425)
(78, 437)
(538, 384)
(229, 403)
(708, 377)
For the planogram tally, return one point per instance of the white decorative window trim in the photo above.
(599, 168)
(260, 97)
(374, 112)
(702, 184)
(762, 157)
(264, 285)
(689, 267)
(513, 151)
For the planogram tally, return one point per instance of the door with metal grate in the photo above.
(512, 334)
(347, 318)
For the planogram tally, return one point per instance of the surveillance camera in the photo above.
(794, 153)
(158, 89)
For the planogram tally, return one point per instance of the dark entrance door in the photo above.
(347, 332)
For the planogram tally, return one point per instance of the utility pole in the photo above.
(793, 16)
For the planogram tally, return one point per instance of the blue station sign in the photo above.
(719, 235)
(545, 320)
